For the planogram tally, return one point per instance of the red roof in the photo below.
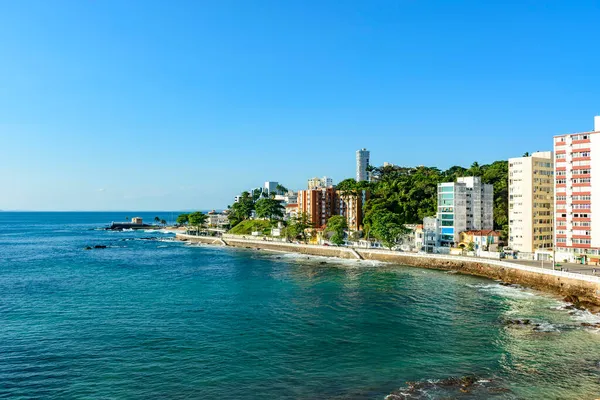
(291, 205)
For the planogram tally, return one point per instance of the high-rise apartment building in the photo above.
(531, 202)
(351, 206)
(577, 195)
(318, 204)
(270, 187)
(324, 182)
(466, 204)
(362, 162)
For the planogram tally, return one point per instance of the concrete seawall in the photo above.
(583, 290)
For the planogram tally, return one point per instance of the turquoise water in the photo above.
(148, 317)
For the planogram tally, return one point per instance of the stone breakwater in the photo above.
(581, 290)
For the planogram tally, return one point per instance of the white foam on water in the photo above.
(546, 327)
(514, 292)
(329, 260)
(165, 231)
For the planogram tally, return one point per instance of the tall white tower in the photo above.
(362, 161)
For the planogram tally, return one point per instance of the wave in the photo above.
(305, 258)
(511, 291)
(164, 231)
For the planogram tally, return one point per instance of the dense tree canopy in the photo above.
(197, 218)
(182, 219)
(411, 193)
(241, 210)
(338, 225)
(269, 208)
(297, 226)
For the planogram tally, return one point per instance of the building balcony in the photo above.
(580, 246)
(581, 141)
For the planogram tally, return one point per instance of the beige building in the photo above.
(531, 202)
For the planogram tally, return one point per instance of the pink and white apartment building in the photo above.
(577, 196)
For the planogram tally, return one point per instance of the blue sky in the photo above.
(149, 105)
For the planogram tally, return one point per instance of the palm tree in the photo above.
(281, 189)
(157, 220)
(163, 222)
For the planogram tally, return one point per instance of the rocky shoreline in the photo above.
(583, 292)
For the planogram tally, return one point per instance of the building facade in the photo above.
(462, 205)
(576, 203)
(531, 202)
(317, 204)
(351, 207)
(270, 187)
(316, 183)
(431, 234)
(362, 162)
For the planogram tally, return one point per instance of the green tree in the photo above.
(281, 189)
(242, 210)
(163, 222)
(256, 194)
(297, 227)
(157, 220)
(387, 228)
(338, 225)
(182, 219)
(269, 208)
(196, 219)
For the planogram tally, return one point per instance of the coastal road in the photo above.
(569, 267)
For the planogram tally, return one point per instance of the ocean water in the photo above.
(149, 317)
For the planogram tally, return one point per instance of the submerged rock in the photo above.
(99, 246)
(518, 322)
(449, 388)
(591, 325)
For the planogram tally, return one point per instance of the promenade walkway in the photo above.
(570, 267)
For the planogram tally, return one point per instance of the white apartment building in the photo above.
(576, 201)
(431, 237)
(270, 187)
(362, 162)
(317, 183)
(466, 204)
(531, 202)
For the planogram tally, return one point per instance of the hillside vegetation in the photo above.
(252, 225)
(404, 195)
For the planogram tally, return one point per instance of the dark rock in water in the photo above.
(522, 322)
(323, 262)
(278, 258)
(87, 248)
(591, 325)
(99, 246)
(448, 388)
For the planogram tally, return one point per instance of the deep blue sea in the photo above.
(151, 318)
